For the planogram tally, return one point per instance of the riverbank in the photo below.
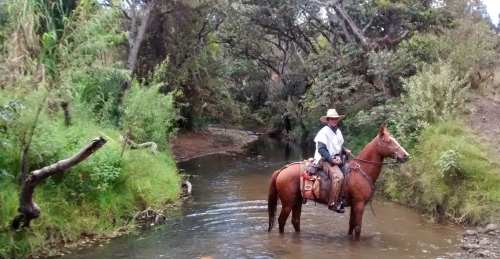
(460, 179)
(188, 144)
(480, 243)
(90, 202)
(484, 118)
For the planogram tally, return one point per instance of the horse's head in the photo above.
(388, 146)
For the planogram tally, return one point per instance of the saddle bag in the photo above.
(310, 183)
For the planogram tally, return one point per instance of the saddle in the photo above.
(315, 184)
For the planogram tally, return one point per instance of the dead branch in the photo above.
(67, 117)
(28, 209)
(149, 215)
(134, 145)
(27, 143)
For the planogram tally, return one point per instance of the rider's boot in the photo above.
(340, 206)
(334, 203)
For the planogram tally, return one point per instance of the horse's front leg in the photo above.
(351, 221)
(358, 218)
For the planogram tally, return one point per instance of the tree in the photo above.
(377, 27)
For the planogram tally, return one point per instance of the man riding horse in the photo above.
(329, 147)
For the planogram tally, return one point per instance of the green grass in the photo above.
(99, 195)
(462, 187)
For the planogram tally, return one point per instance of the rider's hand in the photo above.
(348, 152)
(335, 162)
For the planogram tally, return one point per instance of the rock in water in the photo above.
(484, 242)
(470, 246)
(188, 187)
(470, 232)
(490, 227)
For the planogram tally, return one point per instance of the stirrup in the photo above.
(339, 208)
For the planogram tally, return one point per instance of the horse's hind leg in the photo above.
(351, 221)
(296, 211)
(285, 211)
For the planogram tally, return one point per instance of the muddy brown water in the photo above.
(227, 218)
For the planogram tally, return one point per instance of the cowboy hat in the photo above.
(332, 113)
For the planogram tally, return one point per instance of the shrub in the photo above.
(435, 94)
(452, 175)
(432, 96)
(149, 115)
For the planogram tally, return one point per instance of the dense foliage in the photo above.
(55, 56)
(147, 68)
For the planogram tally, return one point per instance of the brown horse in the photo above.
(365, 169)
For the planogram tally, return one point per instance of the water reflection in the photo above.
(227, 218)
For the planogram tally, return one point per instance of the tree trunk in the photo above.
(378, 83)
(351, 27)
(353, 33)
(67, 117)
(135, 39)
(28, 209)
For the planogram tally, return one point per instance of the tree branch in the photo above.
(125, 15)
(165, 13)
(370, 23)
(28, 209)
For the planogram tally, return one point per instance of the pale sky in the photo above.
(493, 7)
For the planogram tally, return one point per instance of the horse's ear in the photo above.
(382, 130)
(383, 133)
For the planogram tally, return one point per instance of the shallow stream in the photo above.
(227, 218)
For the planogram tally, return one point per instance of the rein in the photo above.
(373, 162)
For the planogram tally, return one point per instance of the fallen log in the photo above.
(28, 209)
(134, 145)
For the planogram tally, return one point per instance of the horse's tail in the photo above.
(272, 200)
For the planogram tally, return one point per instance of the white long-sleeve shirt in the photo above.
(332, 140)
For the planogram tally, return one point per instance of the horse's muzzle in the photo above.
(403, 159)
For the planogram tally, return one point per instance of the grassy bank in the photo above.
(452, 175)
(97, 196)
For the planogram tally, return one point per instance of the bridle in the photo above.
(357, 167)
(381, 144)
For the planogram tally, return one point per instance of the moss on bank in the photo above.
(97, 196)
(453, 175)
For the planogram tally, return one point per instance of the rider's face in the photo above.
(333, 121)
